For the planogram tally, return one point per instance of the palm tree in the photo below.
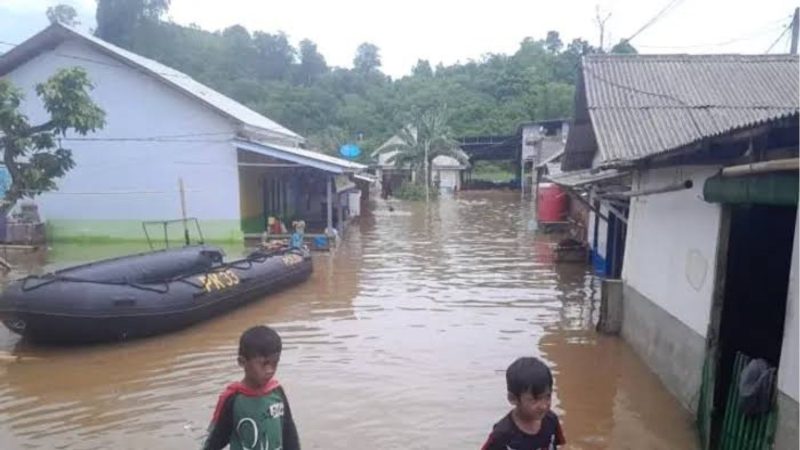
(417, 144)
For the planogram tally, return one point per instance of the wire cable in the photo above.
(766, 29)
(787, 28)
(655, 18)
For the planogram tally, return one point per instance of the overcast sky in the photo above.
(451, 31)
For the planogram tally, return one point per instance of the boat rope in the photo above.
(52, 279)
(162, 286)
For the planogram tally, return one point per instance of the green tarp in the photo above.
(777, 189)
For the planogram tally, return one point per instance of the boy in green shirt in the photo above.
(254, 413)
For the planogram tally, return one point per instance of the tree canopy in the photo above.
(32, 153)
(296, 87)
(427, 136)
(61, 13)
(118, 20)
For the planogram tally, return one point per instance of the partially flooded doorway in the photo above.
(749, 318)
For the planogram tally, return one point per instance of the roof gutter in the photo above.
(669, 188)
(777, 165)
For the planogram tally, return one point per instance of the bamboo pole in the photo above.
(183, 211)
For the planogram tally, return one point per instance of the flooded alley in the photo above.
(398, 341)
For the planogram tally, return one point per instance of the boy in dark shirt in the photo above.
(254, 413)
(530, 425)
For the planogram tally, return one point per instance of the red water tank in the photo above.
(552, 203)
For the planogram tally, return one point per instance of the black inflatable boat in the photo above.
(145, 294)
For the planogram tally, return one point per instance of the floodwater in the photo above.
(398, 341)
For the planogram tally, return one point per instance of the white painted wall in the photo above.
(448, 179)
(354, 203)
(601, 246)
(137, 106)
(671, 244)
(788, 375)
(590, 226)
(530, 134)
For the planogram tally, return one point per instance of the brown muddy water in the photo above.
(398, 341)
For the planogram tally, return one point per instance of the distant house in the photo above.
(529, 145)
(540, 142)
(690, 164)
(237, 166)
(445, 170)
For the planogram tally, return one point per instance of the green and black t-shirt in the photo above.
(249, 419)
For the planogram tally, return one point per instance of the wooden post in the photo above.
(183, 211)
(329, 199)
(427, 174)
(340, 224)
(535, 195)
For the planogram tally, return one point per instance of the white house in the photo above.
(707, 146)
(445, 170)
(162, 126)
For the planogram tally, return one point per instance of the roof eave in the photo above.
(332, 165)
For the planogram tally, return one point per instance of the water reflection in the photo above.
(399, 340)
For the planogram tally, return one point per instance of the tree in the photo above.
(553, 42)
(624, 47)
(65, 14)
(488, 95)
(117, 20)
(275, 55)
(421, 142)
(329, 140)
(570, 59)
(422, 69)
(240, 56)
(32, 153)
(312, 63)
(367, 58)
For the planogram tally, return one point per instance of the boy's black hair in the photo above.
(528, 374)
(259, 341)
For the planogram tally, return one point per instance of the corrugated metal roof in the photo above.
(552, 159)
(301, 156)
(645, 105)
(442, 161)
(252, 120)
(579, 178)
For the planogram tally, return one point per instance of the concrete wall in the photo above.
(671, 245)
(668, 277)
(669, 347)
(788, 376)
(123, 175)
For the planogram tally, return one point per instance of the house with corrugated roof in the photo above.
(237, 166)
(690, 163)
(445, 170)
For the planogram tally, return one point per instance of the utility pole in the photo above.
(427, 174)
(601, 25)
(795, 29)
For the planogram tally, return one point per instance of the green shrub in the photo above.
(413, 192)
